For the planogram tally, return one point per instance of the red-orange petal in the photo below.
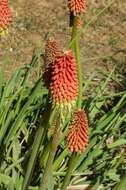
(77, 137)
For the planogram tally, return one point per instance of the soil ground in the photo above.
(33, 20)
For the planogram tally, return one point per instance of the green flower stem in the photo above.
(46, 150)
(74, 33)
(53, 148)
(74, 44)
(71, 165)
(44, 154)
(76, 48)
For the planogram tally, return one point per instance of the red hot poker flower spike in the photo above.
(5, 15)
(77, 6)
(77, 138)
(52, 49)
(64, 82)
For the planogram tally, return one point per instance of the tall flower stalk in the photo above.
(76, 47)
(62, 83)
(54, 144)
(76, 8)
(63, 78)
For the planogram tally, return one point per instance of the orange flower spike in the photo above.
(77, 6)
(77, 138)
(64, 82)
(5, 15)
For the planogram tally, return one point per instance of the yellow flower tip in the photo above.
(3, 32)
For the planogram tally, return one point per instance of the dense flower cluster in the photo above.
(60, 76)
(5, 15)
(77, 6)
(77, 138)
(64, 82)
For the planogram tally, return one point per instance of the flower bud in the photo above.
(52, 49)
